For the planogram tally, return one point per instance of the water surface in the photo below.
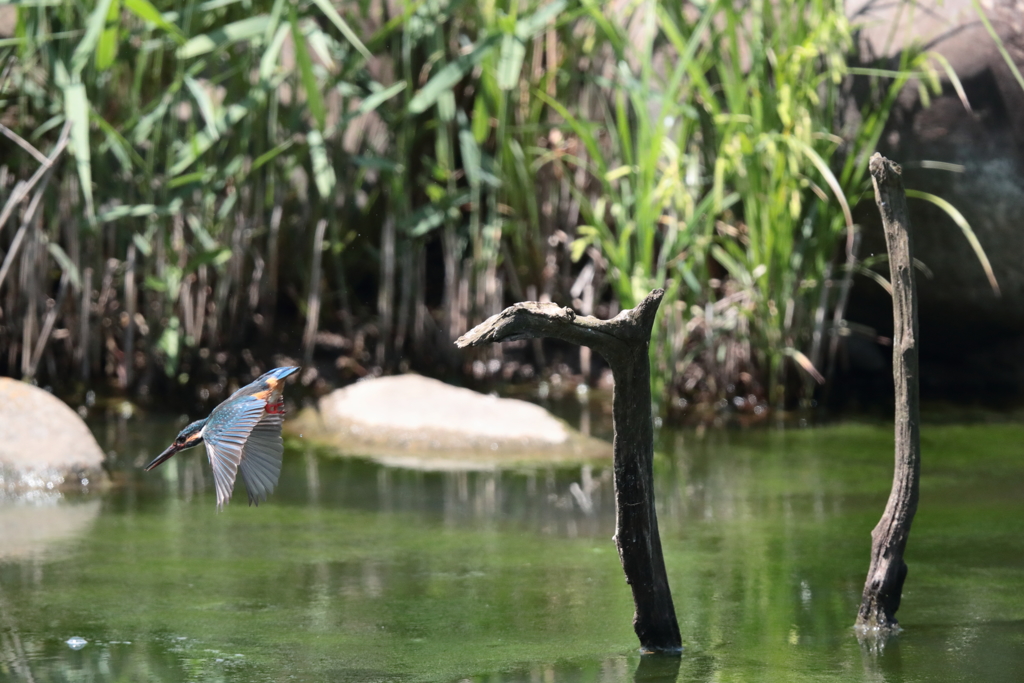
(357, 572)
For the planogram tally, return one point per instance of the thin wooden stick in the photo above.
(53, 309)
(844, 296)
(22, 189)
(386, 295)
(273, 258)
(30, 213)
(83, 331)
(408, 274)
(12, 251)
(30, 279)
(200, 309)
(128, 359)
(185, 302)
(102, 339)
(313, 306)
(254, 283)
(884, 585)
(450, 300)
(239, 246)
(25, 145)
(420, 313)
(819, 316)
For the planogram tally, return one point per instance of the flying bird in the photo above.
(241, 434)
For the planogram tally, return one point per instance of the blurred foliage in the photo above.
(569, 150)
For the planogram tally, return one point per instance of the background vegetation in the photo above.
(374, 178)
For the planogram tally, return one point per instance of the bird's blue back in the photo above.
(264, 382)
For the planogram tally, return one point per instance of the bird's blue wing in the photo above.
(226, 433)
(261, 457)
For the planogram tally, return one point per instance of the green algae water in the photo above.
(357, 572)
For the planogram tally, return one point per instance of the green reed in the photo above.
(726, 174)
(237, 169)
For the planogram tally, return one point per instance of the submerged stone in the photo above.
(46, 445)
(414, 421)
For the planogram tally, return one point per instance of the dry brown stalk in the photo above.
(884, 585)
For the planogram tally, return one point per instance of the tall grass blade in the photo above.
(320, 45)
(528, 26)
(965, 227)
(371, 102)
(93, 29)
(580, 128)
(999, 43)
(170, 345)
(882, 281)
(244, 29)
(328, 9)
(106, 49)
(954, 79)
(511, 62)
(826, 173)
(450, 74)
(139, 211)
(118, 146)
(323, 172)
(76, 109)
(206, 108)
(314, 100)
(66, 264)
(145, 11)
(805, 364)
(270, 155)
(471, 158)
(201, 142)
(268, 62)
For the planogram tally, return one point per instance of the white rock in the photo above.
(414, 403)
(45, 443)
(414, 421)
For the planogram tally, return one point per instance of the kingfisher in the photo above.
(241, 434)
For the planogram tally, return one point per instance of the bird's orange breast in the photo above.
(272, 386)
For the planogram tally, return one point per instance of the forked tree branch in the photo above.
(623, 342)
(533, 319)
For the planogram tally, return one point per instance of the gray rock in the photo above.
(971, 336)
(413, 421)
(46, 445)
(986, 142)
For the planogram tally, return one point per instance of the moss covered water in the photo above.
(357, 572)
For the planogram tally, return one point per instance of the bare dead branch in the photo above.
(623, 341)
(532, 319)
(884, 585)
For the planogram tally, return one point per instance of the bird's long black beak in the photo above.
(171, 450)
